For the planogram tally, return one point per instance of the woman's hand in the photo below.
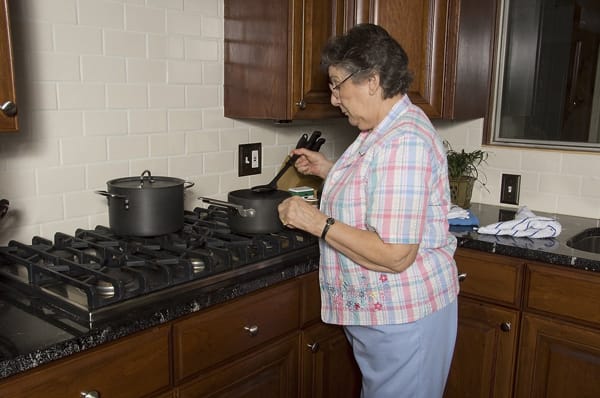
(295, 212)
(312, 163)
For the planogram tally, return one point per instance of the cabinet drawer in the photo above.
(490, 276)
(564, 291)
(134, 366)
(223, 332)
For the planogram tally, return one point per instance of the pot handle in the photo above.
(189, 184)
(115, 196)
(149, 176)
(240, 209)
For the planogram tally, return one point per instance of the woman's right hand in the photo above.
(312, 163)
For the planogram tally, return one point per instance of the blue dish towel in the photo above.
(470, 220)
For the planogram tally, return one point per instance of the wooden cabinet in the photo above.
(272, 58)
(226, 332)
(328, 366)
(560, 339)
(8, 118)
(448, 43)
(134, 366)
(488, 324)
(525, 329)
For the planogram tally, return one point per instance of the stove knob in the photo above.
(89, 394)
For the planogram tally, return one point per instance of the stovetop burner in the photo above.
(94, 273)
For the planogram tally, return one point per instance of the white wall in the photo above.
(108, 88)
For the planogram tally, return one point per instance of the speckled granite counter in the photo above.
(32, 334)
(551, 250)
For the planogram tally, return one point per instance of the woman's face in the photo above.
(353, 99)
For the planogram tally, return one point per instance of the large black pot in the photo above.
(145, 205)
(252, 212)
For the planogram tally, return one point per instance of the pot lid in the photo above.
(145, 181)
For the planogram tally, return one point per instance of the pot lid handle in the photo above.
(149, 178)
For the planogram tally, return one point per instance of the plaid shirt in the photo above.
(392, 180)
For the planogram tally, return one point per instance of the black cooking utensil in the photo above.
(313, 143)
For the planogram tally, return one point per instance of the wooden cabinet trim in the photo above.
(7, 75)
(570, 293)
(491, 277)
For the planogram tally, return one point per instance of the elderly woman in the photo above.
(387, 271)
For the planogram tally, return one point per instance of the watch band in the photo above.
(330, 221)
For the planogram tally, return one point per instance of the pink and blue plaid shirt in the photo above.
(392, 180)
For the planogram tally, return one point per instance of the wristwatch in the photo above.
(330, 221)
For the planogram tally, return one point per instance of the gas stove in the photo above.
(95, 274)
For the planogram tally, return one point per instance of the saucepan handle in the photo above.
(243, 212)
(188, 184)
(115, 196)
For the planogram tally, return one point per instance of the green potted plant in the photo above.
(463, 171)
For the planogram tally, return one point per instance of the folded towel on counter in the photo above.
(461, 217)
(526, 224)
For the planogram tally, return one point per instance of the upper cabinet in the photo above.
(8, 107)
(448, 43)
(272, 58)
(273, 51)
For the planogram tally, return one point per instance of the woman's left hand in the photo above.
(295, 212)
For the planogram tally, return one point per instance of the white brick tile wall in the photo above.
(59, 180)
(110, 88)
(127, 147)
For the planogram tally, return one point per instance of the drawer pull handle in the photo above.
(89, 394)
(462, 277)
(505, 326)
(314, 347)
(252, 330)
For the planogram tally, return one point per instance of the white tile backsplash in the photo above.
(110, 88)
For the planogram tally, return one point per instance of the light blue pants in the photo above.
(410, 360)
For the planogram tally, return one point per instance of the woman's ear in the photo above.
(373, 82)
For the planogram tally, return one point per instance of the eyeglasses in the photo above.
(335, 90)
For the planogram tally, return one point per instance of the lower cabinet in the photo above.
(266, 344)
(525, 329)
(269, 372)
(485, 351)
(328, 366)
(135, 366)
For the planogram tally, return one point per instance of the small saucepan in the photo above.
(252, 212)
(147, 205)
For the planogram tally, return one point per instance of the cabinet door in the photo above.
(8, 121)
(484, 355)
(272, 58)
(558, 359)
(420, 27)
(315, 21)
(449, 47)
(328, 366)
(271, 372)
(134, 366)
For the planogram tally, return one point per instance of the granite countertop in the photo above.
(549, 250)
(31, 334)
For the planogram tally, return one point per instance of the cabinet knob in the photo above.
(252, 330)
(9, 108)
(462, 277)
(89, 394)
(301, 104)
(505, 326)
(314, 347)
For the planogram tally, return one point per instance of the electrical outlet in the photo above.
(509, 191)
(249, 159)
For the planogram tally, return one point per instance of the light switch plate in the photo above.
(509, 190)
(249, 159)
